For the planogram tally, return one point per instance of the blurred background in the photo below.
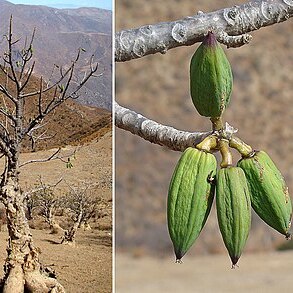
(157, 86)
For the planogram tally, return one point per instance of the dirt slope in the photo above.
(86, 268)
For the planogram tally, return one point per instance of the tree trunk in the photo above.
(29, 212)
(54, 226)
(70, 234)
(23, 271)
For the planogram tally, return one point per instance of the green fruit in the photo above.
(190, 198)
(269, 194)
(233, 210)
(211, 78)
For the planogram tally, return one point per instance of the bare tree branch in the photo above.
(233, 21)
(82, 203)
(41, 186)
(10, 59)
(55, 156)
(154, 132)
(61, 96)
(230, 25)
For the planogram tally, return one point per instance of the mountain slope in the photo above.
(59, 35)
(71, 123)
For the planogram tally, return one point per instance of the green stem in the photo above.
(244, 149)
(227, 159)
(208, 144)
(217, 123)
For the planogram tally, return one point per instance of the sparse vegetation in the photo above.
(83, 204)
(44, 200)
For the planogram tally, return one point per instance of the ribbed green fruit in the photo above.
(233, 210)
(190, 198)
(269, 194)
(211, 78)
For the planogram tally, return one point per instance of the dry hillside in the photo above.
(71, 123)
(59, 34)
(158, 87)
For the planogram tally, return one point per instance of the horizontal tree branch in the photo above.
(154, 132)
(55, 156)
(233, 21)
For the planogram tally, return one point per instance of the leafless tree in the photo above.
(83, 204)
(45, 200)
(22, 267)
(231, 27)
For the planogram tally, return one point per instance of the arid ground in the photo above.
(257, 273)
(87, 267)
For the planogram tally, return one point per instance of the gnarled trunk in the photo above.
(23, 270)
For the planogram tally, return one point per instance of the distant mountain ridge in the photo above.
(59, 34)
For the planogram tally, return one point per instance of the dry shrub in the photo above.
(38, 223)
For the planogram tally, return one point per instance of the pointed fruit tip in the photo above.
(179, 255)
(234, 260)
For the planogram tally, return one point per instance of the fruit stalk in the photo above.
(227, 159)
(217, 123)
(208, 144)
(244, 149)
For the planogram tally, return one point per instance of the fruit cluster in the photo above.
(255, 181)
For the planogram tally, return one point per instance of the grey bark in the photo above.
(230, 25)
(226, 23)
(154, 132)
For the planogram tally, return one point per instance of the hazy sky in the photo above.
(106, 4)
